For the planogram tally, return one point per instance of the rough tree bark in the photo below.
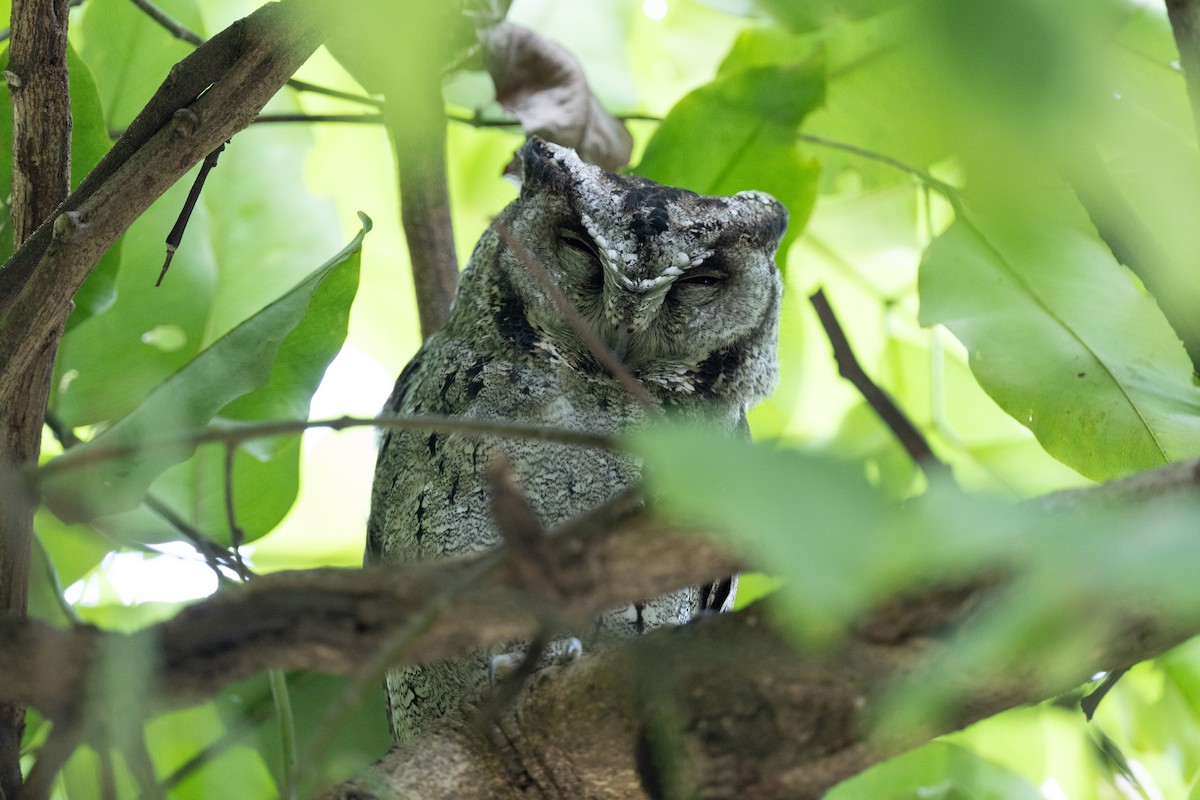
(41, 177)
(60, 241)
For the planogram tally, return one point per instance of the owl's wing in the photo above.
(718, 596)
(406, 384)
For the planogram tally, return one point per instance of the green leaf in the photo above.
(109, 363)
(750, 493)
(938, 771)
(739, 131)
(249, 240)
(813, 15)
(1061, 337)
(238, 363)
(231, 769)
(361, 738)
(130, 54)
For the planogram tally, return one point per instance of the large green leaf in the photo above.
(750, 492)
(739, 131)
(938, 771)
(130, 54)
(238, 363)
(1062, 338)
(244, 246)
(266, 471)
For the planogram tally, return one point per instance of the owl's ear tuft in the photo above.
(540, 165)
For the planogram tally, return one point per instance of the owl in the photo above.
(682, 288)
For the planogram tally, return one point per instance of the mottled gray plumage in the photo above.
(682, 287)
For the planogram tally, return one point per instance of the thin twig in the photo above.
(1091, 701)
(172, 25)
(189, 205)
(141, 765)
(888, 411)
(477, 120)
(234, 734)
(236, 534)
(506, 690)
(81, 457)
(51, 573)
(951, 193)
(214, 554)
(282, 701)
(607, 358)
(51, 756)
(305, 86)
(359, 119)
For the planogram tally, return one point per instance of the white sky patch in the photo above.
(655, 9)
(178, 575)
(1053, 790)
(354, 384)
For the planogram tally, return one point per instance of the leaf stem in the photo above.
(287, 730)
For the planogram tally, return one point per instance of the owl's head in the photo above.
(682, 287)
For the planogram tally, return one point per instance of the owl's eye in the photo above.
(579, 240)
(703, 275)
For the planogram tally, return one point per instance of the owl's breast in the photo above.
(430, 497)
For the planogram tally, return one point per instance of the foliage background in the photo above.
(952, 237)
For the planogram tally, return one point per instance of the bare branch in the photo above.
(335, 620)
(754, 717)
(169, 23)
(353, 119)
(415, 118)
(884, 406)
(233, 435)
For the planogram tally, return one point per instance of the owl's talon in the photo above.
(502, 666)
(572, 651)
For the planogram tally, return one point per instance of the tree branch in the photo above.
(754, 717)
(333, 620)
(886, 409)
(208, 97)
(41, 177)
(737, 692)
(415, 119)
(237, 434)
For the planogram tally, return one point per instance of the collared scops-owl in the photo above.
(681, 287)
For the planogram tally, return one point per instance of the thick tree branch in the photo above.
(41, 177)
(333, 620)
(765, 723)
(754, 717)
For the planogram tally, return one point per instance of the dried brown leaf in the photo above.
(543, 86)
